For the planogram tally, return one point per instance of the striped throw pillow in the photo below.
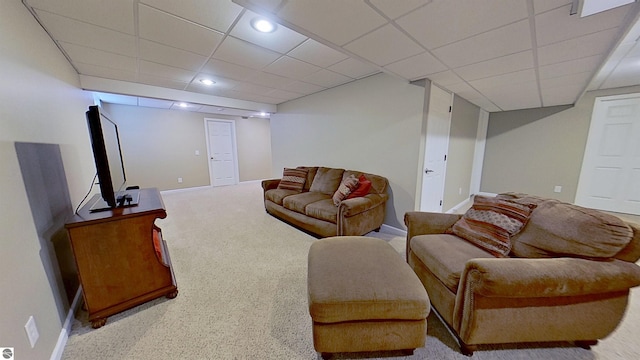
(293, 179)
(491, 222)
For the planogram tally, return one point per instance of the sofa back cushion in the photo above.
(326, 180)
(558, 229)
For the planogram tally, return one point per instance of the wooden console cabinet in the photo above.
(120, 265)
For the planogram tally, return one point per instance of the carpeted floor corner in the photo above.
(241, 278)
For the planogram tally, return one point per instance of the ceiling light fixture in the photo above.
(207, 82)
(263, 25)
(183, 105)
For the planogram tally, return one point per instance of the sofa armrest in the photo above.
(519, 277)
(425, 223)
(270, 184)
(357, 205)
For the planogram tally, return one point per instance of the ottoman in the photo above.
(364, 297)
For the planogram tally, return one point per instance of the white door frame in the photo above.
(234, 145)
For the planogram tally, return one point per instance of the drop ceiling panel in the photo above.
(560, 95)
(104, 72)
(284, 95)
(417, 67)
(398, 46)
(555, 25)
(540, 6)
(353, 68)
(291, 68)
(91, 36)
(173, 31)
(303, 87)
(171, 56)
(444, 22)
(326, 78)
(506, 40)
(584, 46)
(395, 9)
(226, 69)
(282, 40)
(514, 96)
(162, 82)
(242, 53)
(155, 103)
(317, 54)
(82, 54)
(266, 79)
(514, 78)
(336, 21)
(502, 65)
(214, 14)
(587, 64)
(445, 78)
(114, 15)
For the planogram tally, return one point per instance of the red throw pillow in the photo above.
(362, 189)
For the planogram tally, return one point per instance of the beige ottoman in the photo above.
(364, 297)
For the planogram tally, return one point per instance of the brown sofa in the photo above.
(313, 209)
(566, 277)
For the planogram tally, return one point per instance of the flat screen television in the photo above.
(107, 153)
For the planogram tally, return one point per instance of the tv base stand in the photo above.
(121, 257)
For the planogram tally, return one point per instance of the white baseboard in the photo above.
(392, 230)
(66, 327)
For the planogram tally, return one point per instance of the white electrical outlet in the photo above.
(197, 152)
(32, 331)
(557, 189)
(179, 180)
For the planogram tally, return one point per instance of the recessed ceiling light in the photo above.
(207, 82)
(263, 114)
(183, 105)
(263, 25)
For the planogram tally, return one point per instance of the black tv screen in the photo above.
(107, 153)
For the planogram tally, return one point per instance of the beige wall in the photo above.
(462, 142)
(371, 125)
(534, 150)
(40, 101)
(159, 146)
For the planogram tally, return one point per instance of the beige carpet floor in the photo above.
(241, 277)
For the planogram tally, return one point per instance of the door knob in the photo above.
(426, 171)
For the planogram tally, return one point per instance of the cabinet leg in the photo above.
(172, 294)
(98, 323)
(586, 344)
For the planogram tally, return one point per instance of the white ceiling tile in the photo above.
(353, 68)
(266, 79)
(220, 83)
(284, 95)
(282, 40)
(515, 78)
(576, 79)
(502, 65)
(560, 95)
(443, 22)
(291, 68)
(327, 78)
(576, 48)
(445, 78)
(540, 6)
(417, 67)
(82, 54)
(91, 36)
(588, 64)
(506, 40)
(266, 5)
(514, 96)
(253, 89)
(242, 53)
(626, 73)
(303, 87)
(170, 30)
(155, 103)
(114, 15)
(226, 69)
(395, 9)
(336, 21)
(317, 54)
(464, 90)
(117, 98)
(214, 14)
(166, 72)
(558, 25)
(162, 82)
(104, 72)
(397, 46)
(170, 56)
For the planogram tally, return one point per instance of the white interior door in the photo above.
(222, 152)
(436, 147)
(610, 175)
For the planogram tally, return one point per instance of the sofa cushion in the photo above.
(298, 202)
(323, 210)
(560, 229)
(326, 180)
(277, 195)
(364, 185)
(490, 223)
(293, 179)
(311, 173)
(347, 186)
(445, 255)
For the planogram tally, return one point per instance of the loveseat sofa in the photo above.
(564, 275)
(323, 201)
